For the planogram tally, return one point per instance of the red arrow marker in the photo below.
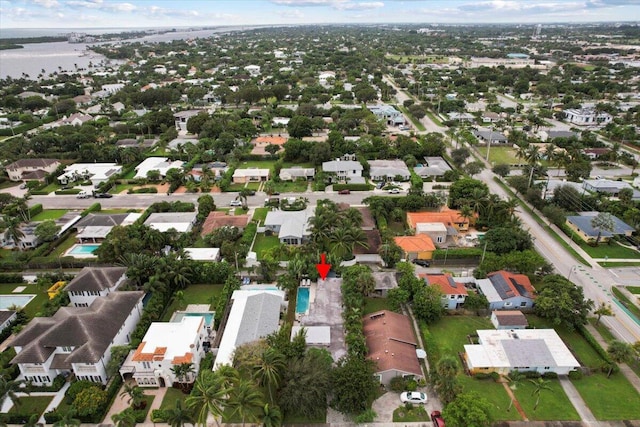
(323, 268)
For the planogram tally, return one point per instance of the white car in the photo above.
(394, 191)
(235, 203)
(413, 397)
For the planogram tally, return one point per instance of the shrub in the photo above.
(412, 385)
(397, 384)
(158, 416)
(35, 210)
(11, 278)
(532, 374)
(352, 187)
(576, 375)
(367, 416)
(69, 191)
(550, 375)
(495, 376)
(95, 207)
(142, 190)
(481, 376)
(75, 388)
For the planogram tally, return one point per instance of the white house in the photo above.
(182, 118)
(77, 340)
(292, 227)
(95, 172)
(587, 116)
(94, 282)
(387, 170)
(182, 222)
(253, 70)
(297, 172)
(165, 346)
(254, 314)
(203, 254)
(160, 164)
(346, 168)
(507, 350)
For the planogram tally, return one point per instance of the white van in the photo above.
(83, 195)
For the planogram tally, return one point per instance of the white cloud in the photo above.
(360, 6)
(291, 14)
(47, 3)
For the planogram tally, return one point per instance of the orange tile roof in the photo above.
(443, 282)
(221, 219)
(179, 360)
(417, 243)
(447, 217)
(391, 342)
(139, 356)
(274, 139)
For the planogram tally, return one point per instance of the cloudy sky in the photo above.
(163, 13)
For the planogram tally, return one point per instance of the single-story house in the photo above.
(369, 254)
(136, 143)
(315, 336)
(76, 119)
(94, 282)
(95, 172)
(506, 290)
(432, 166)
(260, 144)
(242, 176)
(490, 136)
(160, 164)
(416, 247)
(595, 153)
(609, 187)
(384, 282)
(164, 221)
(490, 117)
(95, 227)
(451, 218)
(587, 116)
(461, 117)
(453, 293)
(182, 118)
(31, 169)
(388, 170)
(392, 346)
(581, 224)
(254, 314)
(177, 144)
(165, 346)
(509, 319)
(77, 340)
(504, 350)
(292, 227)
(297, 173)
(217, 219)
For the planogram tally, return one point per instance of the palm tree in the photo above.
(245, 399)
(445, 378)
(603, 309)
(514, 379)
(619, 352)
(178, 416)
(33, 421)
(209, 395)
(67, 420)
(125, 418)
(539, 384)
(12, 229)
(269, 369)
(183, 373)
(271, 416)
(602, 221)
(467, 213)
(135, 394)
(9, 388)
(532, 157)
(242, 195)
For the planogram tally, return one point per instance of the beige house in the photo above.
(241, 176)
(31, 169)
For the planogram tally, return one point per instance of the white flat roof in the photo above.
(487, 289)
(181, 227)
(431, 226)
(315, 335)
(203, 254)
(177, 337)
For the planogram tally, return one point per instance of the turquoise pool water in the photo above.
(208, 317)
(7, 301)
(302, 303)
(83, 249)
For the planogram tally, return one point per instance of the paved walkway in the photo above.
(576, 400)
(120, 403)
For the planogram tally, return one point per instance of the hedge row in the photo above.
(96, 207)
(35, 210)
(457, 253)
(11, 278)
(69, 191)
(352, 187)
(142, 190)
(593, 343)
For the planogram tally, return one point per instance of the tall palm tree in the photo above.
(603, 309)
(208, 396)
(9, 388)
(183, 373)
(514, 379)
(271, 416)
(532, 158)
(67, 419)
(269, 369)
(135, 394)
(245, 399)
(179, 416)
(539, 384)
(12, 229)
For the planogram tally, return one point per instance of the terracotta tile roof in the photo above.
(418, 243)
(178, 360)
(447, 217)
(509, 285)
(391, 342)
(221, 219)
(139, 356)
(445, 283)
(266, 140)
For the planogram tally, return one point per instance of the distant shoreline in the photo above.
(19, 42)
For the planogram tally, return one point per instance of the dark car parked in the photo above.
(421, 262)
(102, 195)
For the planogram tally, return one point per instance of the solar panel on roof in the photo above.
(521, 289)
(452, 283)
(501, 286)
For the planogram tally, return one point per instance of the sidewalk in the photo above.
(576, 400)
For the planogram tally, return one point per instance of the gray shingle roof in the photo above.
(261, 317)
(583, 222)
(89, 330)
(96, 278)
(102, 220)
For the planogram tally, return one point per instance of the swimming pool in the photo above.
(7, 301)
(208, 317)
(302, 303)
(83, 249)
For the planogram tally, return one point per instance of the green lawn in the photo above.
(371, 305)
(634, 289)
(495, 394)
(64, 246)
(130, 174)
(119, 211)
(498, 155)
(49, 214)
(31, 405)
(260, 214)
(554, 404)
(581, 349)
(171, 396)
(35, 304)
(451, 332)
(632, 306)
(119, 188)
(609, 399)
(291, 186)
(613, 250)
(51, 187)
(264, 243)
(259, 164)
(619, 264)
(417, 413)
(194, 294)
